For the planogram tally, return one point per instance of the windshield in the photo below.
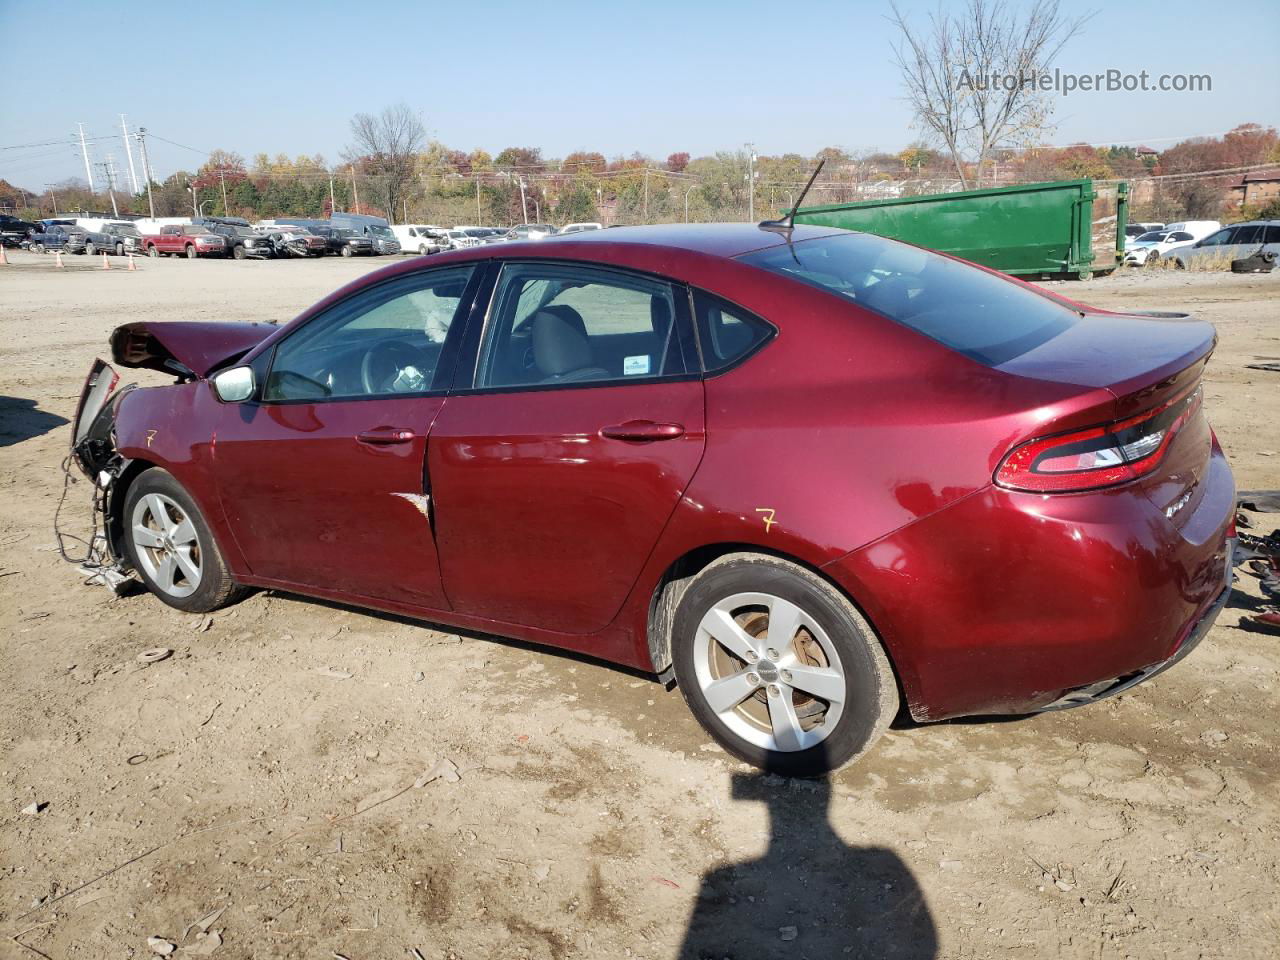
(125, 230)
(1155, 236)
(243, 232)
(380, 231)
(986, 317)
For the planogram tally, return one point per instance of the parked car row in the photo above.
(1199, 241)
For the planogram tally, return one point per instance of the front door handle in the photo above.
(643, 431)
(385, 436)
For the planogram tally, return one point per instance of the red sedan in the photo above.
(802, 473)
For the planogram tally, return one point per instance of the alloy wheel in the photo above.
(166, 544)
(769, 671)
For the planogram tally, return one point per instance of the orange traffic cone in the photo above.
(131, 266)
(57, 258)
(4, 261)
(106, 264)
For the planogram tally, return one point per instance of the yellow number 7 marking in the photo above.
(768, 520)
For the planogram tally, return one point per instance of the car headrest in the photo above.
(560, 342)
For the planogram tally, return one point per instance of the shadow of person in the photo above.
(21, 419)
(810, 895)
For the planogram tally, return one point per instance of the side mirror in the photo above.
(234, 385)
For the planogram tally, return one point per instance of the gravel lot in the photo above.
(590, 817)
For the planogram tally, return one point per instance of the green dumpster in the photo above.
(1036, 228)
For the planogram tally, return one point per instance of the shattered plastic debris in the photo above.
(161, 946)
(154, 655)
(444, 769)
(36, 806)
(336, 674)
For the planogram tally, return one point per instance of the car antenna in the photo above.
(788, 223)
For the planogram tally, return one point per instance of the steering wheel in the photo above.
(384, 362)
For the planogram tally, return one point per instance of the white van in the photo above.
(1199, 229)
(419, 239)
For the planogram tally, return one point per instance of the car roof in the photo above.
(714, 239)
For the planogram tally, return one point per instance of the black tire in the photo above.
(871, 691)
(153, 252)
(238, 252)
(216, 588)
(191, 251)
(119, 249)
(38, 248)
(346, 251)
(90, 249)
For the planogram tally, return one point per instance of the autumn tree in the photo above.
(385, 147)
(964, 73)
(676, 162)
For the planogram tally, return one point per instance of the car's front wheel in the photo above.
(779, 667)
(172, 548)
(153, 252)
(191, 252)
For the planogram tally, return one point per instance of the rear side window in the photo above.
(726, 333)
(1248, 234)
(984, 316)
(1273, 233)
(559, 324)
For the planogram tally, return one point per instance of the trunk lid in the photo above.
(1145, 361)
(186, 348)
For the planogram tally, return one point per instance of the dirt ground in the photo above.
(589, 816)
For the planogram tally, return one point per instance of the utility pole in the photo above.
(686, 201)
(333, 203)
(751, 182)
(646, 194)
(146, 168)
(355, 194)
(478, 216)
(84, 150)
(55, 198)
(133, 177)
(222, 175)
(524, 204)
(195, 210)
(109, 173)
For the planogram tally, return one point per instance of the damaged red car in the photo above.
(806, 474)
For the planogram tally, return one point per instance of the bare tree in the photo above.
(385, 147)
(973, 77)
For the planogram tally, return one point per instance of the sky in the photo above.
(658, 77)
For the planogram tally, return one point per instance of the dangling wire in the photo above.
(95, 554)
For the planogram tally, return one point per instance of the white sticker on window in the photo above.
(635, 366)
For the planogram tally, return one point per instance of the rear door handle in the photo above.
(643, 431)
(385, 436)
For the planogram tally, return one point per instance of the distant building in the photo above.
(1143, 152)
(1256, 188)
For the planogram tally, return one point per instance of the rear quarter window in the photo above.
(726, 332)
(984, 316)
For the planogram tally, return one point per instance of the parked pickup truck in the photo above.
(59, 237)
(343, 241)
(125, 238)
(189, 240)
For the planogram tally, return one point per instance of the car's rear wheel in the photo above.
(779, 667)
(172, 548)
(38, 248)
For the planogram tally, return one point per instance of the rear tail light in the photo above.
(1098, 456)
